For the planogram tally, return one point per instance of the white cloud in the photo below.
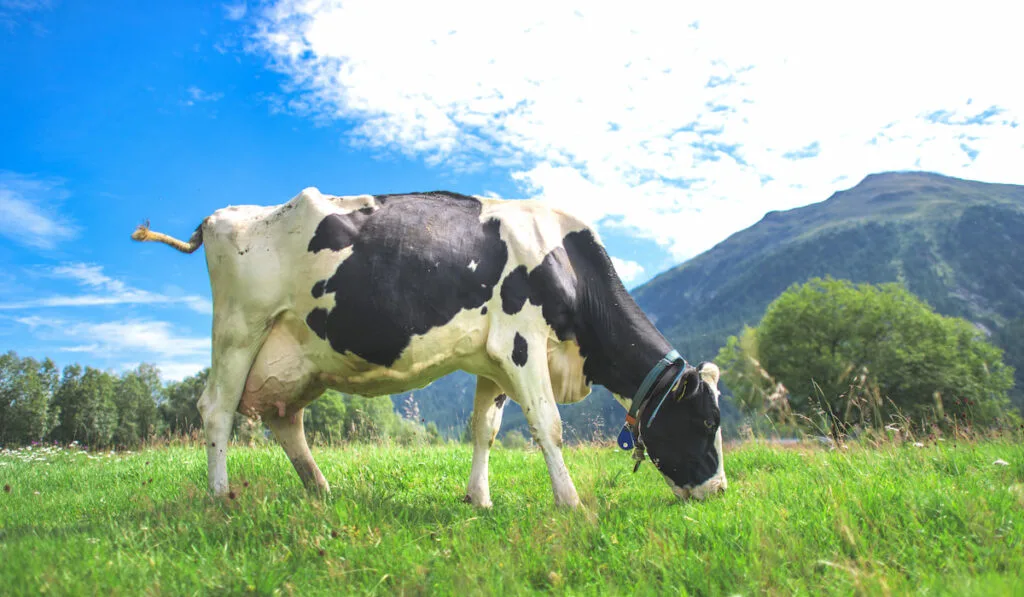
(12, 11)
(130, 336)
(82, 348)
(90, 275)
(175, 371)
(25, 5)
(235, 12)
(105, 290)
(177, 356)
(677, 122)
(30, 211)
(197, 95)
(627, 270)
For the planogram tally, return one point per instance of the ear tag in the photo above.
(686, 384)
(625, 438)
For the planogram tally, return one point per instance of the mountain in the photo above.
(957, 244)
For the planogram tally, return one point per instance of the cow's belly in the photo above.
(294, 366)
(459, 344)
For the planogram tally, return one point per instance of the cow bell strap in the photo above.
(630, 439)
(675, 382)
(652, 376)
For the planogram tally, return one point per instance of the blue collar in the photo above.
(652, 376)
(629, 438)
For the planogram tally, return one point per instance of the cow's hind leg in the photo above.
(290, 434)
(487, 409)
(217, 406)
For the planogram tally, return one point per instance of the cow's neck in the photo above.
(619, 342)
(626, 347)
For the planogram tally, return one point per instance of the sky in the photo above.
(666, 125)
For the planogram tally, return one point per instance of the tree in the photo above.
(26, 391)
(100, 411)
(856, 354)
(369, 419)
(135, 398)
(8, 374)
(1011, 339)
(88, 413)
(69, 402)
(752, 389)
(324, 418)
(178, 410)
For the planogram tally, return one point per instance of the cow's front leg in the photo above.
(530, 385)
(546, 427)
(488, 406)
(291, 435)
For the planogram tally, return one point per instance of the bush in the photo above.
(514, 440)
(831, 354)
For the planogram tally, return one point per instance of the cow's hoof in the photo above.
(485, 503)
(219, 491)
(318, 490)
(572, 503)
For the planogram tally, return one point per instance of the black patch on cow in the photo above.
(484, 310)
(407, 272)
(318, 288)
(582, 298)
(553, 287)
(317, 321)
(515, 290)
(499, 401)
(338, 231)
(519, 350)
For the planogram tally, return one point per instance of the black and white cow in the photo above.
(378, 295)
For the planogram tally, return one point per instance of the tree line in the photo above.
(828, 356)
(100, 409)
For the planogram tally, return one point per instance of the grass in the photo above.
(938, 519)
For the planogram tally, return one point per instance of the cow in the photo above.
(382, 294)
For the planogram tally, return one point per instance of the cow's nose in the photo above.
(701, 492)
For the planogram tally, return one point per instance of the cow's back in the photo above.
(258, 256)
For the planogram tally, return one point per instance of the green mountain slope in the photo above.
(957, 244)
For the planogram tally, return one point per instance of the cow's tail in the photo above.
(143, 233)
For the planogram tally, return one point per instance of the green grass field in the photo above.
(938, 519)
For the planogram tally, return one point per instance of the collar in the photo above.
(641, 396)
(629, 438)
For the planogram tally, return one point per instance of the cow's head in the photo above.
(685, 441)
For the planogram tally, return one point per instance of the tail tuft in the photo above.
(141, 233)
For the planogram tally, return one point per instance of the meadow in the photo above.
(938, 518)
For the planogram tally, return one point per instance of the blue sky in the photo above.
(666, 129)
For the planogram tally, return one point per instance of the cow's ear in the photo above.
(709, 373)
(688, 384)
